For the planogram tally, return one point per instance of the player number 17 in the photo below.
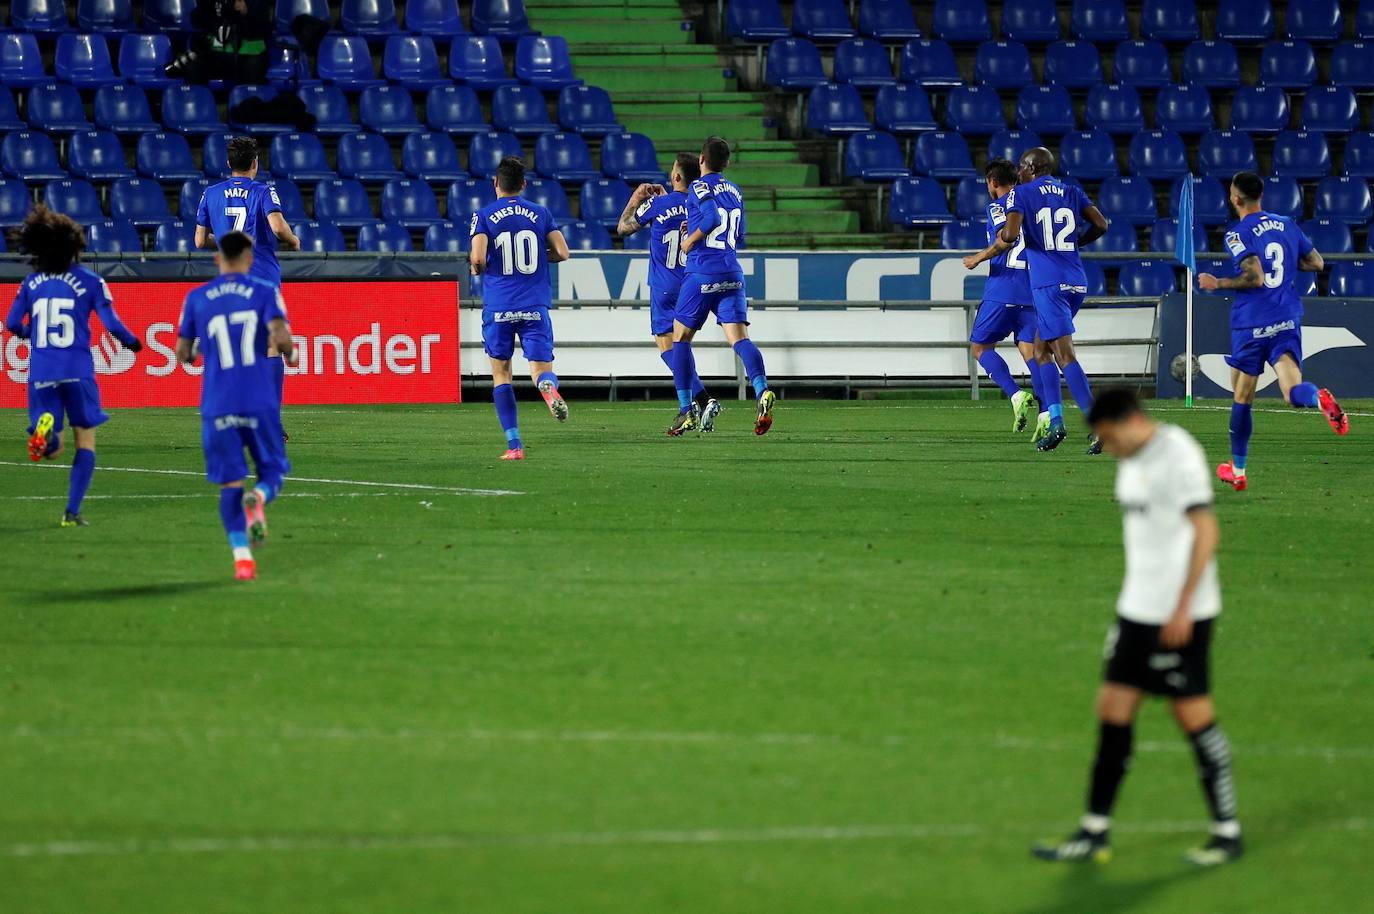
(218, 330)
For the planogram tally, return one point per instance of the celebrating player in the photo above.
(1266, 316)
(236, 321)
(663, 212)
(1053, 214)
(53, 311)
(1006, 307)
(1159, 643)
(714, 284)
(516, 294)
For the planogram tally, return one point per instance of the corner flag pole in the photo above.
(1188, 345)
(1185, 252)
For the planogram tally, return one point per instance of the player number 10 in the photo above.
(522, 255)
(729, 219)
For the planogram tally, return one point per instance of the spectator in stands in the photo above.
(230, 44)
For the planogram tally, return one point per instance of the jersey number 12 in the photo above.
(1064, 239)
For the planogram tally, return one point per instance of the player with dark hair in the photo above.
(1266, 250)
(52, 310)
(1006, 307)
(663, 212)
(236, 322)
(1159, 643)
(524, 239)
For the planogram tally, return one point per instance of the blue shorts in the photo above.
(79, 400)
(721, 294)
(1055, 309)
(997, 319)
(279, 375)
(662, 311)
(1252, 347)
(500, 327)
(224, 439)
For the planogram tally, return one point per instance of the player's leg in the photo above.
(279, 378)
(1196, 716)
(732, 311)
(536, 342)
(1242, 425)
(81, 401)
(1305, 394)
(542, 374)
(1046, 372)
(498, 339)
(226, 467)
(689, 316)
(662, 308)
(235, 521)
(1027, 350)
(267, 447)
(45, 422)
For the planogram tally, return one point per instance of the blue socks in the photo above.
(1036, 384)
(753, 365)
(1049, 384)
(548, 376)
(684, 365)
(1078, 386)
(1303, 395)
(506, 412)
(1242, 424)
(997, 369)
(83, 468)
(268, 489)
(235, 524)
(698, 388)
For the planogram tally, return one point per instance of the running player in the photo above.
(235, 322)
(516, 294)
(1006, 307)
(52, 310)
(662, 211)
(1266, 316)
(1054, 215)
(714, 284)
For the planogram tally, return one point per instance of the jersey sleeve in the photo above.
(646, 211)
(1189, 485)
(271, 305)
(479, 226)
(203, 211)
(103, 303)
(14, 322)
(1017, 201)
(271, 201)
(1081, 198)
(1238, 245)
(186, 326)
(1305, 245)
(552, 223)
(699, 198)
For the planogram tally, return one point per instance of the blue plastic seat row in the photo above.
(441, 18)
(760, 21)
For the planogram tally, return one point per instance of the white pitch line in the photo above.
(201, 496)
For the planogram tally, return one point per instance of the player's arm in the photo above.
(1250, 277)
(14, 321)
(477, 257)
(104, 308)
(997, 247)
(629, 219)
(708, 216)
(204, 237)
(282, 229)
(1206, 534)
(279, 338)
(1011, 229)
(1097, 225)
(557, 246)
(1309, 258)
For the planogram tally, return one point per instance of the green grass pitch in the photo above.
(848, 666)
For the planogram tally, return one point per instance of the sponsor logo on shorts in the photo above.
(1068, 287)
(1263, 333)
(728, 285)
(223, 423)
(506, 317)
(1165, 661)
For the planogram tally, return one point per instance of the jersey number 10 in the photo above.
(522, 255)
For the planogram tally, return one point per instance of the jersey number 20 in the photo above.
(729, 222)
(218, 330)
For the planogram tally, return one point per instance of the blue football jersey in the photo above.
(715, 206)
(1052, 218)
(228, 316)
(58, 309)
(242, 205)
(1279, 244)
(1008, 279)
(517, 274)
(664, 216)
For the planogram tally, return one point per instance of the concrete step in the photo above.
(784, 199)
(774, 174)
(647, 54)
(828, 240)
(650, 31)
(798, 222)
(616, 79)
(714, 103)
(700, 127)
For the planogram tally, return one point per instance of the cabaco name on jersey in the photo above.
(515, 209)
(1266, 225)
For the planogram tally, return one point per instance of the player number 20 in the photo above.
(729, 220)
(1064, 239)
(218, 330)
(518, 253)
(53, 324)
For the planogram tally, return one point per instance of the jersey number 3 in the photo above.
(218, 330)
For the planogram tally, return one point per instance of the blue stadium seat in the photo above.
(1029, 21)
(602, 200)
(874, 156)
(189, 198)
(431, 157)
(962, 20)
(139, 200)
(477, 60)
(289, 198)
(319, 237)
(1209, 200)
(56, 108)
(346, 60)
(1045, 109)
(1146, 278)
(113, 236)
(191, 109)
(367, 157)
(941, 154)
(1259, 109)
(77, 199)
(821, 20)
(1101, 21)
(1009, 144)
(756, 20)
(1087, 155)
(639, 241)
(503, 18)
(521, 110)
(176, 236)
(343, 202)
(240, 95)
(1115, 109)
(21, 61)
(587, 110)
(1301, 154)
(455, 109)
(1142, 63)
(1222, 153)
(929, 62)
(903, 109)
(300, 157)
(97, 155)
(1283, 196)
(543, 61)
(373, 18)
(836, 110)
(918, 201)
(466, 197)
(1164, 236)
(1352, 279)
(971, 198)
(410, 203)
(887, 20)
(964, 235)
(388, 109)
(1328, 235)
(435, 18)
(1288, 65)
(1131, 199)
(445, 237)
(630, 157)
(1352, 64)
(1184, 109)
(45, 17)
(165, 157)
(1358, 160)
(143, 60)
(168, 15)
(330, 108)
(1158, 155)
(287, 10)
(1330, 109)
(1169, 20)
(413, 61)
(550, 195)
(384, 238)
(1245, 21)
(1343, 198)
(30, 156)
(215, 155)
(794, 63)
(1211, 64)
(1073, 64)
(564, 157)
(974, 110)
(1120, 238)
(1364, 19)
(123, 109)
(1003, 65)
(15, 202)
(586, 236)
(863, 62)
(84, 61)
(9, 114)
(1315, 20)
(1097, 280)
(108, 17)
(486, 150)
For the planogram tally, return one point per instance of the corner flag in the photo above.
(1183, 250)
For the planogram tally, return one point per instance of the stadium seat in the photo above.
(143, 60)
(1146, 278)
(1097, 280)
(56, 108)
(836, 110)
(191, 109)
(550, 195)
(113, 236)
(941, 154)
(1120, 238)
(586, 236)
(543, 61)
(300, 157)
(238, 116)
(1245, 21)
(918, 201)
(1010, 144)
(1259, 109)
(214, 155)
(1330, 109)
(564, 157)
(962, 20)
(477, 60)
(874, 156)
(84, 61)
(1131, 199)
(502, 18)
(77, 199)
(445, 237)
(1003, 65)
(1164, 236)
(384, 238)
(44, 17)
(1288, 65)
(1169, 20)
(756, 20)
(455, 109)
(794, 63)
(1211, 64)
(587, 110)
(1073, 64)
(192, 190)
(1352, 279)
(1352, 64)
(1144, 64)
(410, 203)
(1222, 153)
(30, 157)
(123, 109)
(1209, 200)
(466, 197)
(964, 235)
(139, 200)
(107, 17)
(1364, 19)
(974, 110)
(373, 18)
(346, 61)
(97, 155)
(165, 157)
(903, 109)
(1358, 160)
(1315, 20)
(329, 106)
(930, 63)
(388, 110)
(521, 110)
(288, 10)
(1029, 21)
(1158, 155)
(319, 237)
(1087, 155)
(176, 236)
(21, 61)
(431, 157)
(887, 20)
(1114, 109)
(168, 15)
(1045, 109)
(1283, 196)
(413, 61)
(1301, 154)
(435, 18)
(639, 241)
(1329, 236)
(602, 200)
(1184, 109)
(630, 157)
(15, 202)
(486, 150)
(821, 20)
(863, 63)
(1343, 198)
(289, 198)
(9, 114)
(1101, 21)
(971, 198)
(367, 157)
